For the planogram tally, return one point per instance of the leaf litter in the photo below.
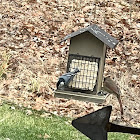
(32, 57)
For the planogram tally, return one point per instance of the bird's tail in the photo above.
(76, 71)
(120, 102)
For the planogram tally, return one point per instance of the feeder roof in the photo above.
(97, 32)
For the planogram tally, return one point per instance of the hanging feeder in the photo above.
(87, 53)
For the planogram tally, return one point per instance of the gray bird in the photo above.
(110, 86)
(65, 79)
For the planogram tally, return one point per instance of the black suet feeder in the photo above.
(87, 53)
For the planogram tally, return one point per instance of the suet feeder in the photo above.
(87, 53)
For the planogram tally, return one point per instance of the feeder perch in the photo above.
(87, 53)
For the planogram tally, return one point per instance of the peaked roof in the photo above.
(97, 32)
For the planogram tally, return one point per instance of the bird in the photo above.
(110, 86)
(65, 79)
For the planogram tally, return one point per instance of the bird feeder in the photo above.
(87, 53)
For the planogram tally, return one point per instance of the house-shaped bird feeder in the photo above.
(87, 53)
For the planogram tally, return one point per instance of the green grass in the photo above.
(16, 125)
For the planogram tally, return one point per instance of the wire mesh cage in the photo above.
(86, 79)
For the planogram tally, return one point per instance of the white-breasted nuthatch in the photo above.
(65, 79)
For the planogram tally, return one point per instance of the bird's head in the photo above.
(106, 78)
(62, 84)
